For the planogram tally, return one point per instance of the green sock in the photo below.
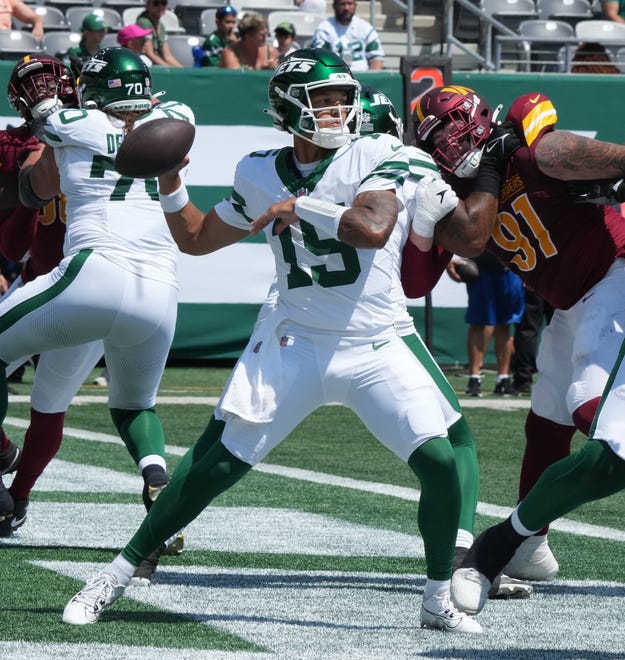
(589, 474)
(204, 472)
(141, 431)
(463, 444)
(439, 507)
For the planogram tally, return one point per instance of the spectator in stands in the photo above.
(251, 51)
(593, 58)
(317, 7)
(285, 39)
(24, 13)
(156, 46)
(614, 10)
(496, 301)
(352, 38)
(93, 29)
(133, 37)
(210, 52)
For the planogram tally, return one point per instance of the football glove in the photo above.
(604, 192)
(434, 199)
(501, 144)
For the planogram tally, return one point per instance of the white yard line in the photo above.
(409, 494)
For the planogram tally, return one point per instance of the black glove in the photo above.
(501, 144)
(607, 192)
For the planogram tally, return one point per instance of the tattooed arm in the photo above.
(564, 155)
(368, 223)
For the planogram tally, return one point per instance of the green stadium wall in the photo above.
(220, 294)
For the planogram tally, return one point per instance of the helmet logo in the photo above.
(295, 64)
(94, 65)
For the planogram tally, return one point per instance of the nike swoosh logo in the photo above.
(378, 346)
(535, 99)
(493, 143)
(585, 298)
(441, 194)
(396, 148)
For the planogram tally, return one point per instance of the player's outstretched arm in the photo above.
(569, 157)
(195, 233)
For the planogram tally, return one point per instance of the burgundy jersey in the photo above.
(559, 249)
(22, 230)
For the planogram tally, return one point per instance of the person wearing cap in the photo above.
(93, 29)
(133, 37)
(216, 41)
(285, 39)
(156, 45)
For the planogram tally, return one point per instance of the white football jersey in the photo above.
(356, 43)
(325, 284)
(118, 216)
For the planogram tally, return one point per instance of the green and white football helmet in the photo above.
(379, 114)
(289, 96)
(115, 80)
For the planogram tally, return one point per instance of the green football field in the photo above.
(315, 554)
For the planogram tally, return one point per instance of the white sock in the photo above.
(122, 569)
(436, 588)
(518, 526)
(464, 539)
(501, 377)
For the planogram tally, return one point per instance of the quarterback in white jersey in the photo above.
(329, 209)
(117, 281)
(350, 37)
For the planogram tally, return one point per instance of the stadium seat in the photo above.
(53, 19)
(601, 32)
(569, 11)
(170, 20)
(181, 46)
(59, 42)
(15, 44)
(75, 16)
(550, 39)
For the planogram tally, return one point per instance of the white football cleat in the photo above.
(89, 603)
(533, 560)
(469, 590)
(438, 613)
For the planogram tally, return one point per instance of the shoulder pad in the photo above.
(534, 114)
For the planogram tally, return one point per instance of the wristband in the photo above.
(175, 201)
(488, 178)
(320, 214)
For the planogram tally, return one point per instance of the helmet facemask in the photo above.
(312, 129)
(462, 122)
(40, 86)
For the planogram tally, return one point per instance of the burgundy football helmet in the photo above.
(466, 121)
(39, 85)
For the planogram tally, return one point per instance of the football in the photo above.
(153, 148)
(467, 270)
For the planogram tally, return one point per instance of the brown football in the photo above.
(467, 270)
(154, 147)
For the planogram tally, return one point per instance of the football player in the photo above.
(570, 254)
(117, 283)
(38, 86)
(329, 211)
(379, 116)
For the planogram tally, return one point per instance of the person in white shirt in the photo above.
(352, 38)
